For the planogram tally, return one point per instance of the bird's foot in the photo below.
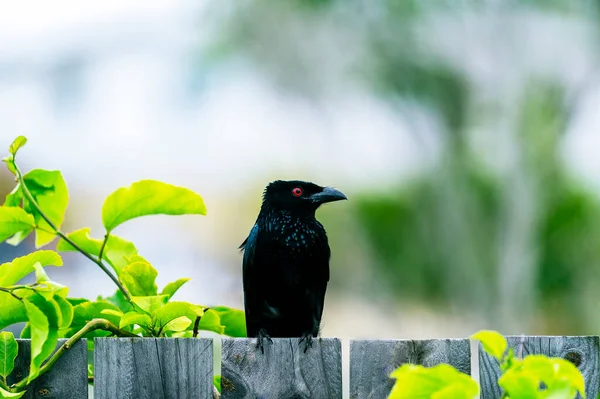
(307, 338)
(262, 335)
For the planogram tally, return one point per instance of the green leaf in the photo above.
(149, 197)
(140, 279)
(493, 343)
(118, 299)
(171, 288)
(66, 311)
(217, 382)
(149, 303)
(116, 251)
(438, 382)
(49, 190)
(11, 310)
(26, 331)
(558, 374)
(16, 144)
(46, 287)
(15, 197)
(173, 310)
(179, 324)
(77, 301)
(10, 395)
(131, 318)
(12, 272)
(211, 322)
(515, 382)
(44, 321)
(86, 311)
(233, 320)
(14, 147)
(116, 313)
(14, 220)
(40, 273)
(8, 353)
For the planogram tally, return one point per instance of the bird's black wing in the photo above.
(249, 247)
(249, 275)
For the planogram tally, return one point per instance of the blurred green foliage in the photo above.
(515, 239)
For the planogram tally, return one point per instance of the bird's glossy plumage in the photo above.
(286, 262)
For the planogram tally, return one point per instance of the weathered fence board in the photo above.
(67, 379)
(283, 371)
(581, 351)
(371, 362)
(150, 368)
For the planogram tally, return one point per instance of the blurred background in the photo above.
(464, 133)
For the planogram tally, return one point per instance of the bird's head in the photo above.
(299, 196)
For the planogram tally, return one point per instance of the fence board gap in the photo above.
(581, 351)
(283, 371)
(371, 362)
(66, 379)
(153, 368)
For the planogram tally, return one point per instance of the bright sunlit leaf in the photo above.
(493, 343)
(14, 220)
(8, 353)
(149, 197)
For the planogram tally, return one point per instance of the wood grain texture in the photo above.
(284, 371)
(581, 351)
(67, 379)
(371, 362)
(152, 368)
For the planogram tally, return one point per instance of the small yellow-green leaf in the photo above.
(49, 190)
(179, 324)
(4, 394)
(493, 343)
(149, 197)
(233, 321)
(523, 385)
(40, 273)
(211, 321)
(8, 353)
(150, 304)
(140, 279)
(112, 312)
(131, 318)
(15, 197)
(556, 373)
(217, 382)
(14, 220)
(66, 311)
(116, 251)
(173, 310)
(12, 272)
(439, 381)
(171, 288)
(16, 144)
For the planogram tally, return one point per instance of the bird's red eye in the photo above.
(297, 192)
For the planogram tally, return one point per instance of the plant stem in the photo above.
(4, 385)
(92, 325)
(97, 261)
(9, 291)
(103, 245)
(196, 325)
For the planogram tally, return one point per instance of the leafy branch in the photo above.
(95, 324)
(97, 261)
(138, 308)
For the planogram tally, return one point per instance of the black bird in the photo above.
(286, 263)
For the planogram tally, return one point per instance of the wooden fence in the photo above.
(178, 368)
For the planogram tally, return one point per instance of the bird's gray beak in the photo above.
(328, 195)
